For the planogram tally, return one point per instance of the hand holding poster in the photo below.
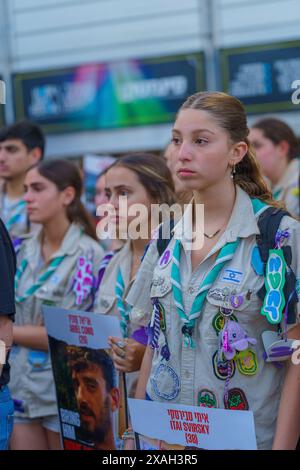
(168, 426)
(87, 391)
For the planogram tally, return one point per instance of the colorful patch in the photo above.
(221, 367)
(236, 400)
(162, 317)
(233, 275)
(207, 399)
(274, 282)
(236, 300)
(165, 259)
(218, 322)
(246, 362)
(37, 360)
(165, 382)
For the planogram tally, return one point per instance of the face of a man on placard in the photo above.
(96, 403)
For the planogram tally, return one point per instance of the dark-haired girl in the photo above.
(55, 267)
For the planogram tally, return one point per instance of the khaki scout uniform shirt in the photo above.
(8, 208)
(287, 189)
(30, 382)
(190, 371)
(105, 302)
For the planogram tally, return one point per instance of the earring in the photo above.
(233, 171)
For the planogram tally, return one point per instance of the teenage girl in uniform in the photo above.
(140, 179)
(277, 150)
(205, 299)
(55, 267)
(144, 180)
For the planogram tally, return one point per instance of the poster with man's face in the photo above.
(87, 389)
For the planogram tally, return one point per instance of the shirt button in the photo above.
(187, 374)
(191, 290)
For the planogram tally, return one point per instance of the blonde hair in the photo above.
(152, 172)
(230, 115)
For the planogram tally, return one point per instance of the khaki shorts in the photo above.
(51, 423)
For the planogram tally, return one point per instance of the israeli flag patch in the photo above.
(233, 276)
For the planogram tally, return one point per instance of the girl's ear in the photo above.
(238, 152)
(284, 148)
(68, 195)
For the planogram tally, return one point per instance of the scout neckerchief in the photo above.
(41, 280)
(17, 213)
(124, 313)
(226, 253)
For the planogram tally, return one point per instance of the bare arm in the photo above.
(144, 374)
(6, 335)
(288, 421)
(31, 336)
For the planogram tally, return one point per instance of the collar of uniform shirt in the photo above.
(242, 222)
(68, 247)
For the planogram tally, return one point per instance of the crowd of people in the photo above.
(180, 303)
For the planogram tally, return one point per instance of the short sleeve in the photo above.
(7, 273)
(88, 246)
(139, 295)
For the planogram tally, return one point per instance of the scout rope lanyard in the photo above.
(18, 210)
(226, 254)
(40, 281)
(124, 313)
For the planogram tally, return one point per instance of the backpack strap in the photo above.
(268, 224)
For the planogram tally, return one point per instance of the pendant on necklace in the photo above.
(212, 235)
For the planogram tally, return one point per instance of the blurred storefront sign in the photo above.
(108, 96)
(261, 76)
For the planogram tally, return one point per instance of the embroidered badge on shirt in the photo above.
(274, 282)
(165, 259)
(37, 359)
(162, 317)
(218, 322)
(236, 400)
(246, 362)
(83, 281)
(207, 399)
(233, 275)
(220, 368)
(165, 382)
(219, 294)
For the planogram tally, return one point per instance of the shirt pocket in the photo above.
(161, 289)
(105, 304)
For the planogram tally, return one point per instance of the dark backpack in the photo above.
(268, 224)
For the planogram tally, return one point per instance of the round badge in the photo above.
(165, 259)
(165, 382)
(218, 322)
(207, 399)
(246, 362)
(226, 312)
(236, 400)
(221, 367)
